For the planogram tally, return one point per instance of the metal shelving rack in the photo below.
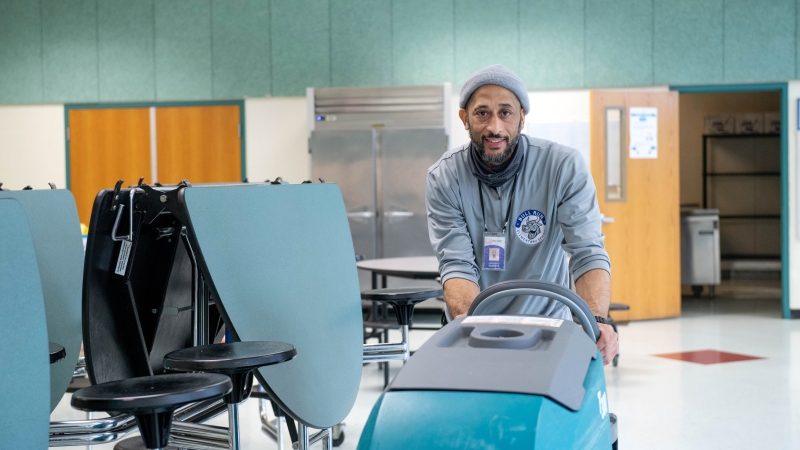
(707, 176)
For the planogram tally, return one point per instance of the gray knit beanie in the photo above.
(499, 75)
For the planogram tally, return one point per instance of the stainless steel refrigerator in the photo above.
(377, 145)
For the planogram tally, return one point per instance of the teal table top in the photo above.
(25, 377)
(55, 228)
(281, 262)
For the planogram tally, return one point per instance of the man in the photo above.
(509, 206)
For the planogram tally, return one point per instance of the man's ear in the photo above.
(462, 113)
(522, 121)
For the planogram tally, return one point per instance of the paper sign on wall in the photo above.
(644, 133)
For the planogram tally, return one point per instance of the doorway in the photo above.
(734, 159)
(163, 143)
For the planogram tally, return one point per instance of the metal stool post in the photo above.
(233, 426)
(404, 339)
(302, 437)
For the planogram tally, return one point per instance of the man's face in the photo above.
(494, 119)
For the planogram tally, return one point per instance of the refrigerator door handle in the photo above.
(361, 215)
(398, 214)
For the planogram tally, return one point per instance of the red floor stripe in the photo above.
(708, 357)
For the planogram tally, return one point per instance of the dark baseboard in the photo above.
(794, 314)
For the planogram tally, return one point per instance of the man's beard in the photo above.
(494, 160)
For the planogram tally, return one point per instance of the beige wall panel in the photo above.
(277, 139)
(794, 226)
(32, 146)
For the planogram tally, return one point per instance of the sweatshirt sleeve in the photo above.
(579, 217)
(447, 229)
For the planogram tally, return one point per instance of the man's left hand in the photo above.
(608, 344)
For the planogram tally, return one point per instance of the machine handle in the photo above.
(543, 289)
(705, 232)
(605, 219)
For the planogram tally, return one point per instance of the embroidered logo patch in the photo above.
(531, 226)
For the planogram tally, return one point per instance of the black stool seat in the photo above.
(404, 295)
(237, 360)
(229, 358)
(152, 399)
(402, 299)
(57, 353)
(151, 394)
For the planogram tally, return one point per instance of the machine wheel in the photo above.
(612, 418)
(697, 290)
(338, 441)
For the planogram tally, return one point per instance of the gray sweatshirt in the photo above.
(554, 213)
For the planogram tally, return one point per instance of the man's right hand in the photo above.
(459, 293)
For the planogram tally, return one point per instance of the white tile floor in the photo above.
(664, 403)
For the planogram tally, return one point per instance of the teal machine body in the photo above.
(500, 382)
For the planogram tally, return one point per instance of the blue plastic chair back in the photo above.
(55, 227)
(25, 375)
(280, 260)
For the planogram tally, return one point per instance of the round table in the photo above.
(414, 267)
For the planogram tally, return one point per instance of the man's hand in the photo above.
(594, 287)
(459, 293)
(608, 344)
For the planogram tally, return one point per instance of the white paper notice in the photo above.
(644, 133)
(515, 320)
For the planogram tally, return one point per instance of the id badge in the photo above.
(494, 251)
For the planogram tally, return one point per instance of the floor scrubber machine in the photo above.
(500, 382)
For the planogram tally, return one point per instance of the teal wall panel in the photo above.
(688, 38)
(486, 33)
(69, 50)
(183, 49)
(423, 48)
(760, 40)
(619, 43)
(126, 48)
(551, 43)
(301, 49)
(241, 48)
(146, 50)
(361, 43)
(20, 52)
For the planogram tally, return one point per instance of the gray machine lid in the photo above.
(513, 354)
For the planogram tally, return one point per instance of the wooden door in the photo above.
(643, 241)
(198, 143)
(106, 145)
